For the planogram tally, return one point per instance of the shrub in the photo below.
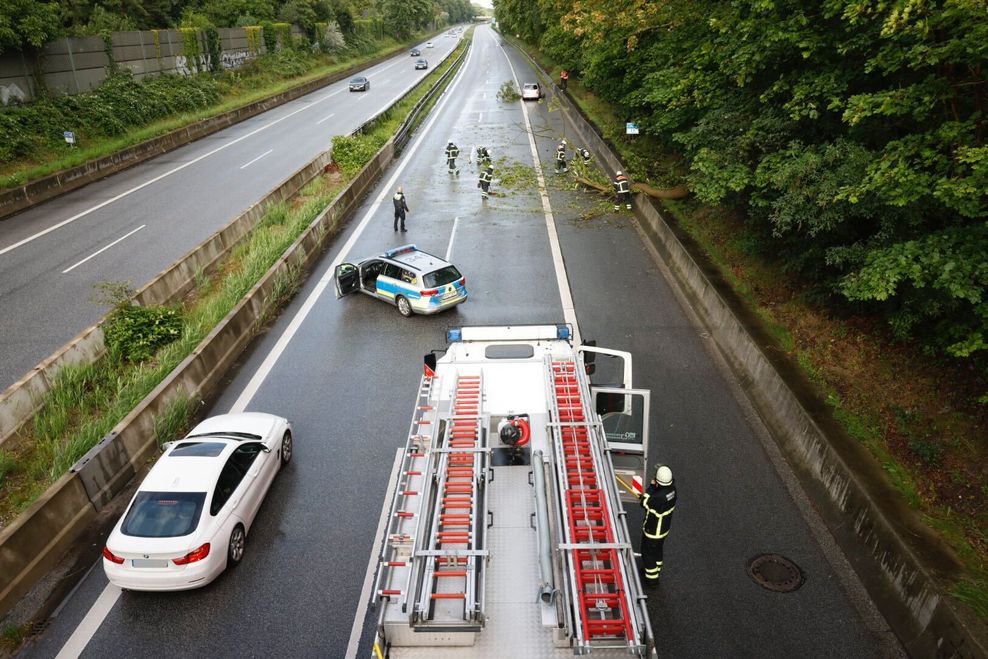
(134, 333)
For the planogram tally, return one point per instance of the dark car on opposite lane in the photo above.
(359, 84)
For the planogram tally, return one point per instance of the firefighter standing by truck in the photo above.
(659, 502)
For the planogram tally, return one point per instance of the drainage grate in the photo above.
(776, 573)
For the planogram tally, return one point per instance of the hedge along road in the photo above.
(345, 372)
(50, 255)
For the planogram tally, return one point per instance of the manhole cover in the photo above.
(775, 573)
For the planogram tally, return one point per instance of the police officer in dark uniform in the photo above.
(400, 208)
(659, 501)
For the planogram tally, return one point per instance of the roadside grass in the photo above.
(917, 415)
(87, 401)
(239, 91)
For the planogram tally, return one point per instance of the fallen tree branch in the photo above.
(678, 192)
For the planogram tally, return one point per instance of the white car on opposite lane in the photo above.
(189, 519)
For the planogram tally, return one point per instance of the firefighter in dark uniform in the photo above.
(452, 153)
(561, 158)
(659, 501)
(585, 154)
(623, 188)
(483, 156)
(486, 177)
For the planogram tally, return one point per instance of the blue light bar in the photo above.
(391, 253)
(454, 334)
(563, 332)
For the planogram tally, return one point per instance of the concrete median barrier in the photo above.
(905, 567)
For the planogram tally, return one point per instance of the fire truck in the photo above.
(507, 532)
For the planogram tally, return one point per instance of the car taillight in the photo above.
(110, 556)
(193, 556)
(431, 291)
(463, 281)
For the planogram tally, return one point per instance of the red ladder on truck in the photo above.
(601, 602)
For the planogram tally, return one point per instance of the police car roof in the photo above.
(416, 259)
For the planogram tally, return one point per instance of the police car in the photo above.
(412, 280)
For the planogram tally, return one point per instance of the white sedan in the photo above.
(190, 517)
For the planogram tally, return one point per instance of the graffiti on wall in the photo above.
(12, 92)
(231, 59)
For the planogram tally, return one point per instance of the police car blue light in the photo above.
(412, 280)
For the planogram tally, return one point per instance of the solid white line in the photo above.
(326, 118)
(562, 279)
(452, 235)
(90, 624)
(98, 252)
(480, 118)
(327, 277)
(365, 591)
(251, 162)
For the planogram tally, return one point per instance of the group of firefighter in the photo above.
(622, 187)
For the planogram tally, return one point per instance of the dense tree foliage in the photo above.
(26, 24)
(850, 132)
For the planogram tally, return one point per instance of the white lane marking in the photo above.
(90, 624)
(251, 162)
(100, 251)
(327, 277)
(365, 591)
(134, 189)
(452, 235)
(480, 118)
(562, 279)
(326, 118)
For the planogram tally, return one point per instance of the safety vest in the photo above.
(659, 501)
(486, 176)
(621, 183)
(452, 151)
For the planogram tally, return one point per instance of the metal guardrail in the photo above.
(404, 130)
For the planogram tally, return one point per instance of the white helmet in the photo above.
(564, 141)
(663, 475)
(451, 140)
(618, 173)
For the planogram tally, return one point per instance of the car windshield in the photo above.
(197, 450)
(441, 277)
(531, 86)
(163, 514)
(357, 81)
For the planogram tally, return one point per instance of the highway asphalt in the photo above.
(179, 198)
(347, 380)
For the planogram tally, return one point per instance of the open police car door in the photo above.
(624, 413)
(347, 279)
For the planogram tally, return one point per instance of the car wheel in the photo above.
(286, 448)
(404, 306)
(235, 550)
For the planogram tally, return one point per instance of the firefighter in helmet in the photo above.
(659, 502)
(623, 189)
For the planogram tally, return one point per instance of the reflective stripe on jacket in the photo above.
(659, 501)
(560, 152)
(452, 151)
(621, 184)
(485, 176)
